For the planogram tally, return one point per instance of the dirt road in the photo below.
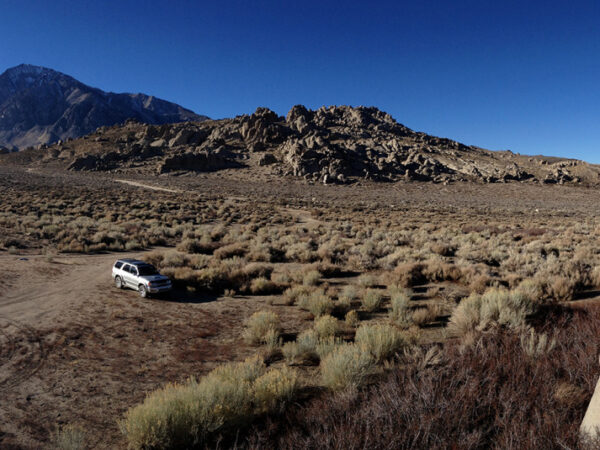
(75, 350)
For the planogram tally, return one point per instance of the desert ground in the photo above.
(78, 354)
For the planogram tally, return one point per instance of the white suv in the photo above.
(139, 275)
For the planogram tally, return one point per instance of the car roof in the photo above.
(133, 262)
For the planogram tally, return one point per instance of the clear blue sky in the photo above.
(520, 75)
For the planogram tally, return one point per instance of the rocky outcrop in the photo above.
(337, 144)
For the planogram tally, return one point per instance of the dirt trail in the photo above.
(147, 186)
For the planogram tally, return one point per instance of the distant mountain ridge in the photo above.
(42, 106)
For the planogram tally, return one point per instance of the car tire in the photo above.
(118, 282)
(143, 291)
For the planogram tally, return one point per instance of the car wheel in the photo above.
(143, 291)
(118, 283)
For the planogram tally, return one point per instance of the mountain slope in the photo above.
(42, 106)
(337, 144)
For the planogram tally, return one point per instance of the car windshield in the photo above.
(147, 270)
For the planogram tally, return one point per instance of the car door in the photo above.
(127, 275)
(133, 276)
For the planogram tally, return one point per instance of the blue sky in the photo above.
(519, 75)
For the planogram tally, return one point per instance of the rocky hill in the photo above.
(330, 145)
(42, 106)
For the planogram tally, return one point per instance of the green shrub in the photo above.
(260, 325)
(371, 300)
(381, 340)
(348, 365)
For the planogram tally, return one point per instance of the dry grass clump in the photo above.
(371, 300)
(187, 415)
(536, 345)
(69, 437)
(261, 326)
(347, 366)
(381, 340)
(494, 307)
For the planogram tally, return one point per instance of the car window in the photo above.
(118, 264)
(147, 269)
(126, 267)
(132, 270)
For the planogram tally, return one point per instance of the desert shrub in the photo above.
(262, 286)
(495, 306)
(381, 340)
(311, 278)
(293, 294)
(260, 325)
(437, 270)
(480, 283)
(410, 408)
(327, 345)
(190, 245)
(561, 289)
(305, 346)
(69, 437)
(531, 288)
(174, 259)
(300, 252)
(326, 326)
(186, 415)
(231, 250)
(443, 249)
(367, 280)
(317, 303)
(274, 389)
(256, 270)
(348, 365)
(371, 300)
(399, 312)
(421, 316)
(352, 319)
(409, 274)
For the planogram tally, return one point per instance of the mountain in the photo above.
(42, 106)
(337, 144)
